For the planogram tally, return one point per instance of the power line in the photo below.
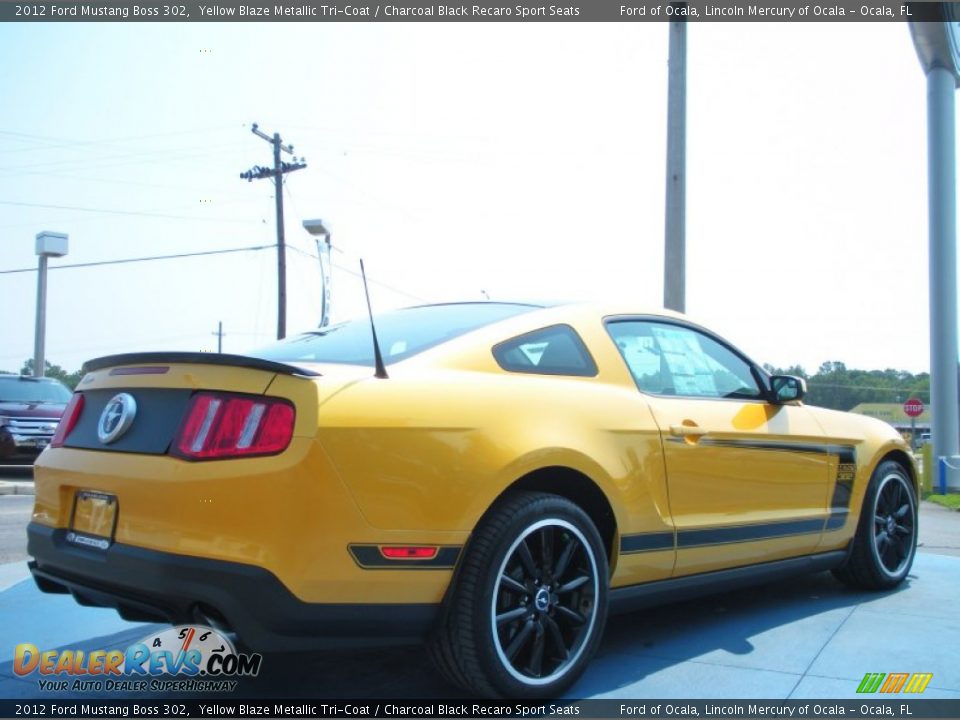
(74, 143)
(144, 259)
(126, 182)
(356, 274)
(109, 348)
(105, 141)
(160, 155)
(108, 211)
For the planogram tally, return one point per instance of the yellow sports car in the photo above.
(492, 477)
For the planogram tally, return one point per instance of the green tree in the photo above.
(54, 371)
(836, 386)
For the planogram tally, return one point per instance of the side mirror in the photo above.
(787, 388)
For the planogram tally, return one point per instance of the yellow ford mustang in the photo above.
(502, 478)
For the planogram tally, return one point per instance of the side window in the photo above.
(667, 359)
(555, 350)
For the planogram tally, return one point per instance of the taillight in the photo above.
(68, 421)
(222, 425)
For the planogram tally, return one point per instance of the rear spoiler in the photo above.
(195, 358)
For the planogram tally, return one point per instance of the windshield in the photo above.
(31, 390)
(402, 333)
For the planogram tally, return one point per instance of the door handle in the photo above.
(688, 431)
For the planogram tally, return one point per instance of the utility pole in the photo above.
(277, 172)
(219, 333)
(937, 48)
(674, 256)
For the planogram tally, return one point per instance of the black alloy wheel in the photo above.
(894, 537)
(882, 550)
(545, 601)
(528, 604)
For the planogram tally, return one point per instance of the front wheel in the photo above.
(530, 603)
(886, 540)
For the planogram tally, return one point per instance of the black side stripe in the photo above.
(843, 487)
(846, 453)
(838, 517)
(646, 542)
(846, 469)
(705, 537)
(369, 557)
(748, 533)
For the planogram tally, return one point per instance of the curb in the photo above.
(16, 488)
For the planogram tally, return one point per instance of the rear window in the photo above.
(556, 350)
(402, 333)
(31, 390)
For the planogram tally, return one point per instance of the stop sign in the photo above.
(913, 407)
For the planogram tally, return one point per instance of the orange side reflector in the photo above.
(405, 552)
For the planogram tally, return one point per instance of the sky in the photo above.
(464, 160)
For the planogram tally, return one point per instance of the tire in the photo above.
(886, 539)
(529, 603)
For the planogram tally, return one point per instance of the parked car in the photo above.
(30, 409)
(492, 477)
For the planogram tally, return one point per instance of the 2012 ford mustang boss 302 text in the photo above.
(507, 475)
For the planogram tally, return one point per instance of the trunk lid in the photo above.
(162, 385)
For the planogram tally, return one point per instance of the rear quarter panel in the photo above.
(433, 450)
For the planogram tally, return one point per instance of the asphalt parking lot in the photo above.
(807, 637)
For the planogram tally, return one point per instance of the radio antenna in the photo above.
(380, 369)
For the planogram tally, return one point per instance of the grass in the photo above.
(951, 500)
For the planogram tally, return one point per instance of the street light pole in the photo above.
(40, 332)
(49, 244)
(318, 230)
(938, 47)
(674, 257)
(942, 189)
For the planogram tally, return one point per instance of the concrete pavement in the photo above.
(808, 637)
(939, 529)
(16, 488)
(803, 638)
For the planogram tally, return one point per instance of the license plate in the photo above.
(94, 519)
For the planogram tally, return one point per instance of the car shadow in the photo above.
(778, 627)
(791, 619)
(662, 637)
(16, 471)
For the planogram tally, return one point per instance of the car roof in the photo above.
(586, 307)
(27, 378)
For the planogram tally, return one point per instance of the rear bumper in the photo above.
(251, 601)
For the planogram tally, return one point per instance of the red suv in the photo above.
(30, 409)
